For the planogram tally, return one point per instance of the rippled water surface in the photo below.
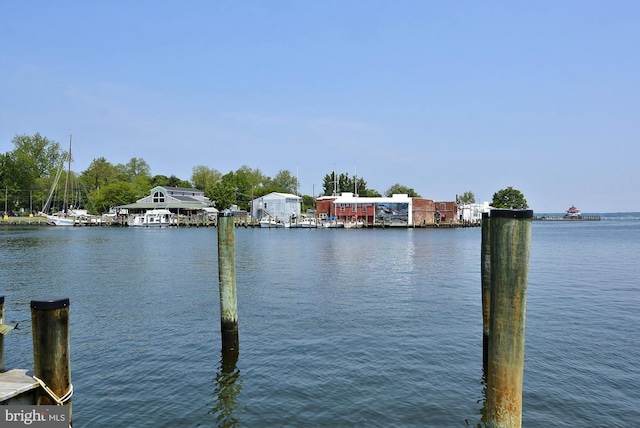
(350, 328)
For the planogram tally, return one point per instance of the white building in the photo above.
(278, 206)
(472, 213)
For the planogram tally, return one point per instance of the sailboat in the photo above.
(68, 216)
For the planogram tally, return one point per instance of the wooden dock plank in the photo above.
(14, 383)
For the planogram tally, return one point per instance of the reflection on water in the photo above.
(227, 387)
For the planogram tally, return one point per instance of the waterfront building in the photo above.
(282, 207)
(472, 213)
(178, 200)
(397, 210)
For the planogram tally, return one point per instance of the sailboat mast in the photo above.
(66, 185)
(355, 181)
(335, 182)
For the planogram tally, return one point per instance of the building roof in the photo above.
(279, 195)
(350, 198)
(181, 189)
(195, 205)
(187, 199)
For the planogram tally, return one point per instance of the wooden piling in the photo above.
(227, 278)
(485, 274)
(510, 242)
(1, 335)
(51, 353)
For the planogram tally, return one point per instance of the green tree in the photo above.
(399, 189)
(204, 178)
(177, 182)
(334, 184)
(285, 182)
(329, 185)
(509, 198)
(359, 186)
(248, 183)
(343, 183)
(135, 167)
(370, 193)
(466, 198)
(224, 192)
(308, 202)
(159, 180)
(141, 185)
(111, 195)
(23, 169)
(99, 173)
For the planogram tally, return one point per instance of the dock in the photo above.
(17, 387)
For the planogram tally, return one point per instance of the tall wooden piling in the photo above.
(227, 278)
(510, 243)
(1, 335)
(51, 353)
(485, 274)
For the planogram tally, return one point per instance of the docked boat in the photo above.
(573, 212)
(306, 223)
(270, 223)
(354, 224)
(153, 218)
(60, 219)
(69, 215)
(333, 224)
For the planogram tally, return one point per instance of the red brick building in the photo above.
(398, 210)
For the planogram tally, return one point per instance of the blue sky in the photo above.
(442, 97)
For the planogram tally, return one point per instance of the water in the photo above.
(348, 328)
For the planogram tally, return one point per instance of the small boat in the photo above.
(354, 224)
(153, 218)
(307, 223)
(269, 223)
(573, 212)
(333, 224)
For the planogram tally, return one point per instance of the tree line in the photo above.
(28, 173)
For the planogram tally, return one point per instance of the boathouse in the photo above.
(178, 200)
(283, 207)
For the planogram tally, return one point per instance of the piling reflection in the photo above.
(228, 385)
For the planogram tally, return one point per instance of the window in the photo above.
(158, 197)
